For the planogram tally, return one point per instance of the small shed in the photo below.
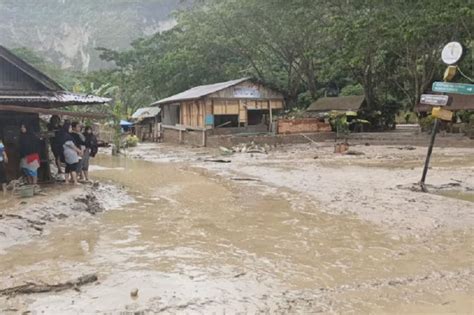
(339, 104)
(234, 106)
(25, 93)
(147, 123)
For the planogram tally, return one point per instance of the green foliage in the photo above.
(386, 51)
(131, 141)
(352, 89)
(426, 123)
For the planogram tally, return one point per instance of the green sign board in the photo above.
(455, 88)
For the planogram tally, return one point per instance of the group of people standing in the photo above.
(73, 146)
(29, 151)
(70, 145)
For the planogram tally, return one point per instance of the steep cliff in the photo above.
(67, 31)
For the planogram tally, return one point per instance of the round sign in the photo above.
(452, 53)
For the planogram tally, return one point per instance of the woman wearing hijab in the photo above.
(29, 154)
(71, 153)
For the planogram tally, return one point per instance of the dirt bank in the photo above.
(23, 220)
(375, 183)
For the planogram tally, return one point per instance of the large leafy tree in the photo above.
(386, 50)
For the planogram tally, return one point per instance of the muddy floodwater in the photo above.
(191, 242)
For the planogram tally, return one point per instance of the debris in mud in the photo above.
(243, 179)
(355, 153)
(90, 202)
(226, 151)
(32, 288)
(407, 148)
(134, 293)
(217, 161)
(240, 275)
(251, 148)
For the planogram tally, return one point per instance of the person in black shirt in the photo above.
(90, 151)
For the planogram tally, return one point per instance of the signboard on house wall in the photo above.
(247, 92)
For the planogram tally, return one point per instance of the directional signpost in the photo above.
(455, 88)
(434, 100)
(452, 53)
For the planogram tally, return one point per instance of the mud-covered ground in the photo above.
(24, 220)
(297, 230)
(375, 183)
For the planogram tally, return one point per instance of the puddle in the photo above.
(456, 194)
(193, 243)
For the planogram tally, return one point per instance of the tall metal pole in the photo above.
(428, 157)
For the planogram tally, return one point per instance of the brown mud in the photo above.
(196, 241)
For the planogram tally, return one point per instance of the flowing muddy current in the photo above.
(191, 242)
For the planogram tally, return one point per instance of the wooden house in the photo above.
(25, 93)
(147, 123)
(228, 107)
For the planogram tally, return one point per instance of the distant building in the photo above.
(147, 123)
(337, 104)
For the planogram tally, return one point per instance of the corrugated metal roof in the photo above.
(52, 99)
(341, 103)
(146, 112)
(200, 91)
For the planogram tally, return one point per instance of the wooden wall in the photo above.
(12, 79)
(236, 100)
(193, 113)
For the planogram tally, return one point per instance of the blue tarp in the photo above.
(124, 123)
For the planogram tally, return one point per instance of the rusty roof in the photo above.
(340, 103)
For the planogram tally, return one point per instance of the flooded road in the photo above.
(192, 242)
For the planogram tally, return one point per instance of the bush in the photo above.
(426, 123)
(131, 141)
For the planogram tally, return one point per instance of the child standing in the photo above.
(3, 161)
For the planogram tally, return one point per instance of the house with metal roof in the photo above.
(25, 93)
(228, 107)
(147, 123)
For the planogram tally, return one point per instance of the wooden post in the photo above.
(204, 137)
(428, 156)
(271, 115)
